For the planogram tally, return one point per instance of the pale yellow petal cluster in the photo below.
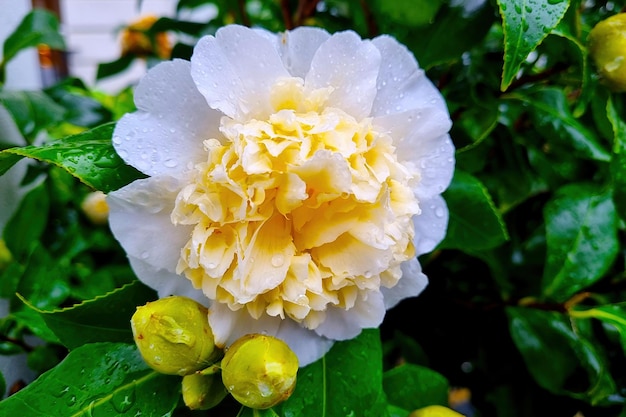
(297, 212)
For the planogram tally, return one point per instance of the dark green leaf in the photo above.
(7, 161)
(526, 23)
(618, 160)
(38, 27)
(106, 379)
(475, 222)
(103, 319)
(411, 387)
(581, 235)
(554, 121)
(328, 387)
(408, 12)
(89, 156)
(553, 353)
(452, 33)
(107, 69)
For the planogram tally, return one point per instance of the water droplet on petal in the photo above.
(278, 261)
(170, 163)
(439, 212)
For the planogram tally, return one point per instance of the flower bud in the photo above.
(173, 335)
(607, 46)
(435, 411)
(201, 392)
(259, 371)
(95, 207)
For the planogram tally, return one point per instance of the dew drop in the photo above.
(278, 261)
(123, 401)
(439, 212)
(117, 140)
(170, 163)
(123, 154)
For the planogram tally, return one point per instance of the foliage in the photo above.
(526, 301)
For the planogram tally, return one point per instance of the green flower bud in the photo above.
(173, 335)
(259, 371)
(201, 392)
(607, 46)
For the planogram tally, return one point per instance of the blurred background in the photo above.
(92, 30)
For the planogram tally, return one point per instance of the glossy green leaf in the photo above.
(103, 319)
(554, 354)
(554, 120)
(105, 379)
(108, 69)
(475, 223)
(411, 387)
(581, 235)
(526, 23)
(38, 27)
(618, 159)
(328, 387)
(89, 156)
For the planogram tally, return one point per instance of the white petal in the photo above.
(412, 283)
(435, 163)
(424, 146)
(297, 48)
(349, 65)
(340, 324)
(166, 135)
(235, 71)
(431, 224)
(165, 282)
(414, 126)
(139, 217)
(228, 326)
(401, 84)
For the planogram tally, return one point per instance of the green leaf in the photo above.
(526, 23)
(618, 159)
(581, 236)
(108, 69)
(106, 379)
(328, 387)
(613, 314)
(38, 27)
(103, 319)
(475, 223)
(554, 354)
(7, 161)
(89, 156)
(32, 110)
(553, 119)
(411, 387)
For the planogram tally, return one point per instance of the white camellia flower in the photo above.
(293, 180)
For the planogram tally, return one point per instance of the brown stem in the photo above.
(372, 27)
(284, 5)
(245, 19)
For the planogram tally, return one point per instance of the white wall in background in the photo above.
(23, 71)
(91, 30)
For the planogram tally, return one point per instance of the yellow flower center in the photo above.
(298, 212)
